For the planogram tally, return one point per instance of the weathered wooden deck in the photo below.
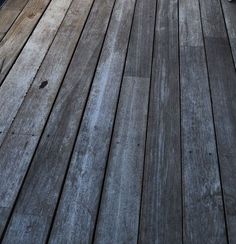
(118, 121)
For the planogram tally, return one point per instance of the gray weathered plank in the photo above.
(161, 213)
(1, 3)
(202, 196)
(223, 89)
(46, 174)
(229, 10)
(22, 74)
(14, 40)
(118, 219)
(37, 104)
(8, 13)
(8, 155)
(77, 211)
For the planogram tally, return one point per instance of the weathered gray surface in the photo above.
(161, 215)
(203, 213)
(118, 219)
(222, 77)
(22, 74)
(229, 12)
(108, 135)
(45, 179)
(17, 35)
(76, 215)
(9, 11)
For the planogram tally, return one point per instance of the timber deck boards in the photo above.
(118, 121)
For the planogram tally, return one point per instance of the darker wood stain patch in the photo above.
(43, 84)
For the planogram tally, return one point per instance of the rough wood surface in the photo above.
(203, 213)
(161, 215)
(76, 215)
(22, 74)
(118, 219)
(24, 145)
(16, 37)
(45, 179)
(222, 77)
(229, 11)
(117, 121)
(9, 11)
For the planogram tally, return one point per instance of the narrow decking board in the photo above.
(118, 121)
(203, 212)
(58, 138)
(22, 74)
(1, 3)
(8, 13)
(161, 212)
(15, 88)
(222, 77)
(18, 34)
(118, 218)
(33, 113)
(37, 104)
(229, 11)
(77, 210)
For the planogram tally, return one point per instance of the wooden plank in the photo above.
(46, 174)
(8, 14)
(77, 211)
(161, 215)
(229, 10)
(15, 39)
(202, 196)
(223, 89)
(37, 104)
(118, 219)
(22, 74)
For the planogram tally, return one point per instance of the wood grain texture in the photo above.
(37, 104)
(22, 74)
(202, 196)
(1, 3)
(161, 215)
(18, 34)
(118, 219)
(223, 89)
(9, 11)
(229, 10)
(118, 121)
(77, 211)
(19, 147)
(46, 174)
